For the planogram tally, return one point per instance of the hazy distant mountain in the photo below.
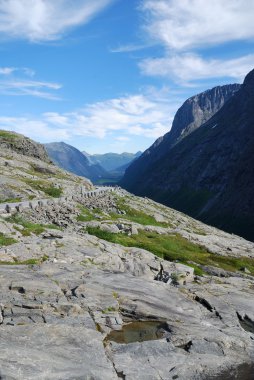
(208, 173)
(71, 159)
(112, 161)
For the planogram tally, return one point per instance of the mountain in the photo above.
(194, 112)
(71, 159)
(96, 282)
(112, 161)
(209, 174)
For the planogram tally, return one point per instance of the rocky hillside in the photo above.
(22, 145)
(209, 174)
(27, 173)
(194, 112)
(125, 288)
(69, 158)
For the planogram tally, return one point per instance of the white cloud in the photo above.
(197, 23)
(121, 118)
(122, 138)
(189, 67)
(185, 28)
(45, 20)
(22, 87)
(36, 129)
(7, 70)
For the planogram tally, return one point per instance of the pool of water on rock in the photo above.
(139, 331)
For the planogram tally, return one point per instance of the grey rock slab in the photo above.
(53, 352)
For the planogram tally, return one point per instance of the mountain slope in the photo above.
(112, 161)
(71, 159)
(209, 174)
(27, 173)
(194, 112)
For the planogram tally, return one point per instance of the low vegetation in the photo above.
(29, 227)
(44, 186)
(136, 216)
(86, 215)
(175, 248)
(10, 200)
(25, 262)
(6, 240)
(5, 135)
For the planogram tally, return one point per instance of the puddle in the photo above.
(243, 372)
(139, 332)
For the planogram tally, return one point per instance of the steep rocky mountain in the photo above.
(105, 285)
(71, 159)
(209, 173)
(113, 161)
(194, 112)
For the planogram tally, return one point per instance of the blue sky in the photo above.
(109, 75)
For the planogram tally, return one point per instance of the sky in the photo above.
(109, 75)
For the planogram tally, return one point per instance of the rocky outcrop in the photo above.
(26, 173)
(209, 173)
(23, 145)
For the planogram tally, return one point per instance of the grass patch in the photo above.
(8, 136)
(29, 227)
(44, 186)
(175, 247)
(109, 309)
(25, 262)
(136, 216)
(6, 240)
(85, 215)
(10, 200)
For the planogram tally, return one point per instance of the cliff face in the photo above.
(210, 173)
(194, 112)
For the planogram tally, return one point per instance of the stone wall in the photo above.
(11, 208)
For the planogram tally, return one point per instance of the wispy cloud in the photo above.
(184, 28)
(122, 118)
(128, 48)
(189, 67)
(45, 20)
(17, 87)
(6, 70)
(17, 81)
(195, 23)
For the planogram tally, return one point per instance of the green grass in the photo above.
(44, 186)
(25, 262)
(175, 247)
(85, 215)
(29, 227)
(136, 216)
(10, 200)
(8, 135)
(6, 240)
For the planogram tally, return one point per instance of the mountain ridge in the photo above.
(209, 174)
(70, 158)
